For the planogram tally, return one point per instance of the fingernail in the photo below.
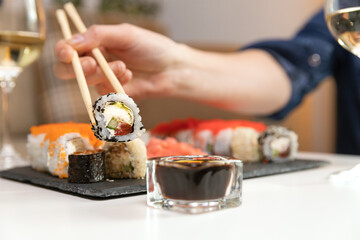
(76, 39)
(86, 65)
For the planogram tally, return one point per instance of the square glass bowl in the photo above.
(194, 184)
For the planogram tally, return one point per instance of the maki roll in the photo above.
(222, 142)
(50, 145)
(180, 129)
(220, 137)
(117, 118)
(125, 160)
(278, 144)
(86, 167)
(59, 161)
(204, 141)
(244, 144)
(37, 148)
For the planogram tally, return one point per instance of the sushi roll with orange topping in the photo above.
(50, 145)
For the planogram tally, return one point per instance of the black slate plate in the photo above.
(252, 170)
(126, 187)
(99, 190)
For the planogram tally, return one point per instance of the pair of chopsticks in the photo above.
(80, 77)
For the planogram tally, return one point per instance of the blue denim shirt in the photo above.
(308, 58)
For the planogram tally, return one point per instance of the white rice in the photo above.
(244, 144)
(125, 160)
(145, 137)
(205, 141)
(277, 139)
(186, 135)
(38, 151)
(58, 161)
(222, 143)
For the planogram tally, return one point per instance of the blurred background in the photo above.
(216, 25)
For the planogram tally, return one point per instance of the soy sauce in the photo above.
(194, 180)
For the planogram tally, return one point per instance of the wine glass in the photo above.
(343, 21)
(22, 35)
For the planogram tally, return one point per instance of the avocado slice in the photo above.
(113, 123)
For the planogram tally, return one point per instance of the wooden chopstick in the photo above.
(79, 24)
(80, 77)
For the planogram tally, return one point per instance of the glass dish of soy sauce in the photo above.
(194, 184)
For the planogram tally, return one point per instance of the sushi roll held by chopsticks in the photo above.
(114, 117)
(117, 118)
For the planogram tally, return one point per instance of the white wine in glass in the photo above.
(19, 49)
(22, 35)
(343, 21)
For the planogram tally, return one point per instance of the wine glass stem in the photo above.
(5, 117)
(7, 84)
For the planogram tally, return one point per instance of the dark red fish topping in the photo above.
(123, 129)
(286, 153)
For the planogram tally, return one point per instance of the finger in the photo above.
(65, 71)
(126, 77)
(120, 36)
(119, 70)
(64, 51)
(144, 86)
(104, 88)
(139, 88)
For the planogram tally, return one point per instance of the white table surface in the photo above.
(299, 205)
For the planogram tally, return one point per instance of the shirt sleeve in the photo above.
(307, 59)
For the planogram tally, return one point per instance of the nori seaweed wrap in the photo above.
(86, 167)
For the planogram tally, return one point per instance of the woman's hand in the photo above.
(144, 61)
(151, 65)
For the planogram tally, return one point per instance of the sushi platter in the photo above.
(67, 157)
(129, 187)
(108, 157)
